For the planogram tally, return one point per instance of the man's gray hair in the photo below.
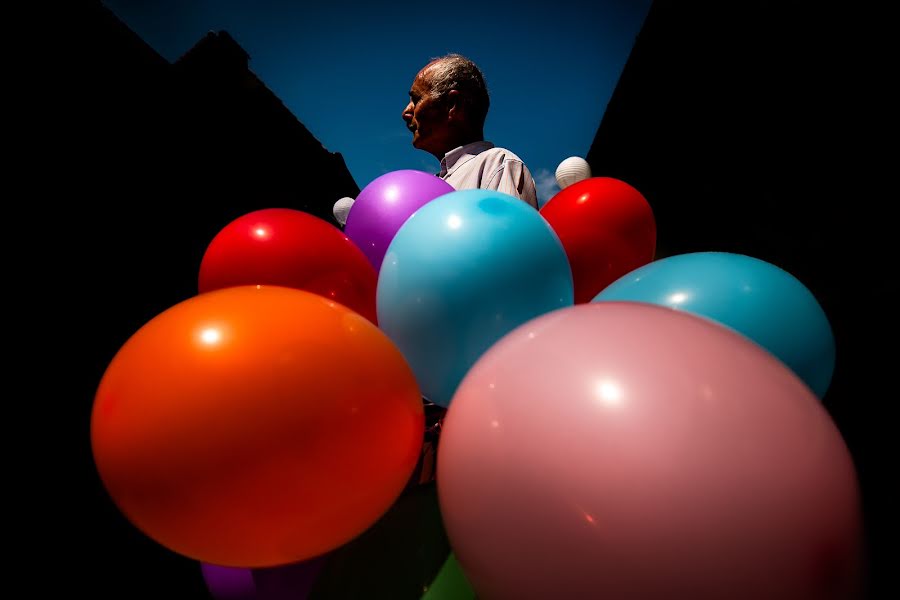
(456, 72)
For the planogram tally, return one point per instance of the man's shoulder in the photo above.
(501, 154)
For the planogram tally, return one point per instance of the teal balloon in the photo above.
(753, 297)
(462, 271)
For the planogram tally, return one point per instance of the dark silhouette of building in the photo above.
(138, 164)
(166, 155)
(741, 124)
(204, 131)
(244, 140)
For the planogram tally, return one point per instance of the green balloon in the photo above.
(450, 584)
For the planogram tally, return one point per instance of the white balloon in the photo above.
(571, 170)
(342, 210)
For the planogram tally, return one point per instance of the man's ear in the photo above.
(454, 105)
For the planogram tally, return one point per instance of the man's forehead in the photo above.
(422, 80)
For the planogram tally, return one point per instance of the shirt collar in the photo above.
(462, 154)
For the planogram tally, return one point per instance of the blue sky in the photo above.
(345, 69)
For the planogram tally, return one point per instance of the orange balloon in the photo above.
(256, 426)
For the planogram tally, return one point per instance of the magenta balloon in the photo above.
(229, 583)
(383, 206)
(286, 582)
(626, 450)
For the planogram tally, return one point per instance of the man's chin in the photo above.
(419, 144)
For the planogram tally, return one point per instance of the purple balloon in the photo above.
(384, 205)
(229, 583)
(288, 582)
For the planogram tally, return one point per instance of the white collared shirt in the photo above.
(481, 165)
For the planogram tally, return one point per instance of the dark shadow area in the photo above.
(742, 124)
(138, 164)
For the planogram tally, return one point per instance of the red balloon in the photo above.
(607, 229)
(290, 248)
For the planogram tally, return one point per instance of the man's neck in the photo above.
(462, 140)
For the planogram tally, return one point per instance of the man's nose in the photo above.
(407, 112)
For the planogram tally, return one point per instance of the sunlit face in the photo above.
(427, 118)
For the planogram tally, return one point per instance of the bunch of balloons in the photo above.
(616, 425)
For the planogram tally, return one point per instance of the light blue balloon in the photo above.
(463, 271)
(753, 297)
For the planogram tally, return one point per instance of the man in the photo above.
(448, 104)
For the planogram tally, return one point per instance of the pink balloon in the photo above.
(626, 450)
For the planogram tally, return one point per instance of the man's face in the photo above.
(427, 118)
